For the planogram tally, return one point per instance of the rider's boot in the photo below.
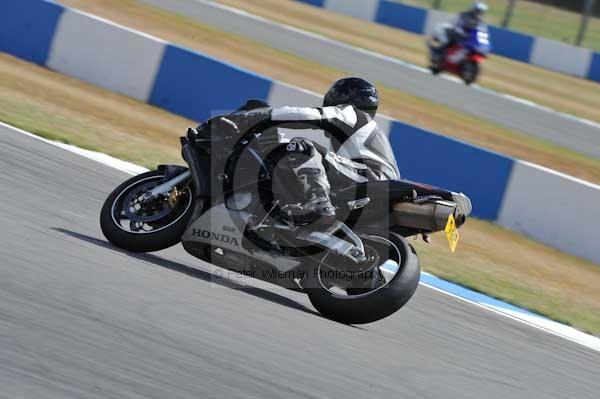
(307, 164)
(316, 192)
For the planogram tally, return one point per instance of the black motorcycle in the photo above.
(223, 210)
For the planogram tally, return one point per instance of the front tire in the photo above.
(156, 229)
(366, 305)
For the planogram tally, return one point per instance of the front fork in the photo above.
(164, 188)
(181, 174)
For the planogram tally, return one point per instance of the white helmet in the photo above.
(479, 7)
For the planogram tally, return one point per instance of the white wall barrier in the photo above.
(554, 208)
(561, 57)
(366, 9)
(282, 94)
(105, 54)
(434, 18)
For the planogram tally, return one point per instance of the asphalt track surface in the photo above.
(79, 318)
(514, 114)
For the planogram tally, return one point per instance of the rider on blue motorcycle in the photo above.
(465, 22)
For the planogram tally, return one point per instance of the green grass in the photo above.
(529, 17)
(496, 272)
(84, 133)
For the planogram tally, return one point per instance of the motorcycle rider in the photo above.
(361, 151)
(465, 22)
(470, 19)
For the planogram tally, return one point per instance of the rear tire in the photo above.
(470, 72)
(141, 241)
(435, 62)
(360, 307)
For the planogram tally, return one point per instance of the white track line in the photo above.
(521, 315)
(454, 290)
(105, 159)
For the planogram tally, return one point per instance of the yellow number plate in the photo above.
(452, 233)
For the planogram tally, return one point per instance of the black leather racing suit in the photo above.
(359, 150)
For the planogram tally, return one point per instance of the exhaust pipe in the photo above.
(428, 216)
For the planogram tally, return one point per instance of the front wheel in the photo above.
(375, 291)
(134, 223)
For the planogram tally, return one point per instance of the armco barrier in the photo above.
(401, 16)
(445, 162)
(27, 28)
(128, 65)
(355, 8)
(556, 209)
(594, 72)
(510, 44)
(542, 52)
(561, 57)
(192, 84)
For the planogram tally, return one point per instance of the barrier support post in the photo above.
(588, 6)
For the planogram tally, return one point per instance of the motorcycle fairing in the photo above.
(220, 227)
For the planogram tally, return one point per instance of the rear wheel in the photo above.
(470, 72)
(131, 221)
(372, 292)
(435, 62)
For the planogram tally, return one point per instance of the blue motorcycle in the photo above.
(459, 53)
